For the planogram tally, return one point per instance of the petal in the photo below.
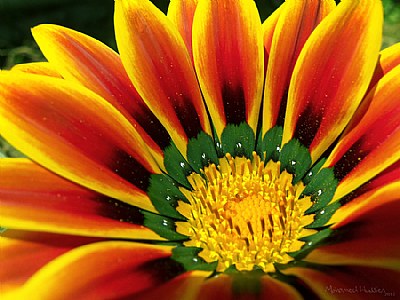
(388, 59)
(41, 68)
(365, 197)
(158, 63)
(349, 283)
(297, 21)
(23, 253)
(229, 59)
(369, 236)
(75, 133)
(106, 270)
(332, 74)
(185, 286)
(89, 62)
(275, 289)
(181, 13)
(372, 144)
(268, 28)
(47, 202)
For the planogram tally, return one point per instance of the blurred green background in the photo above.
(95, 18)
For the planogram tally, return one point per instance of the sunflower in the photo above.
(214, 156)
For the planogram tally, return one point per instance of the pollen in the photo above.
(244, 213)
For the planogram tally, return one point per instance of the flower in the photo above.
(215, 156)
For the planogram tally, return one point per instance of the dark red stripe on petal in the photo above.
(130, 169)
(152, 126)
(351, 159)
(188, 116)
(308, 124)
(162, 269)
(117, 210)
(234, 104)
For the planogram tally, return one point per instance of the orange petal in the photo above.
(332, 74)
(349, 283)
(75, 133)
(367, 232)
(364, 198)
(158, 63)
(229, 59)
(106, 270)
(33, 198)
(275, 289)
(373, 143)
(388, 59)
(89, 62)
(297, 20)
(181, 13)
(41, 68)
(268, 28)
(23, 253)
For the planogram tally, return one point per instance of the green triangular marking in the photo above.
(201, 152)
(163, 226)
(188, 257)
(238, 140)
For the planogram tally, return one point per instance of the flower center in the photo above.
(244, 213)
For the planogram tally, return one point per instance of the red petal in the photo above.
(297, 21)
(23, 253)
(75, 133)
(229, 59)
(32, 198)
(158, 63)
(332, 74)
(371, 145)
(368, 235)
(275, 289)
(41, 68)
(268, 28)
(106, 270)
(84, 60)
(185, 286)
(388, 59)
(181, 13)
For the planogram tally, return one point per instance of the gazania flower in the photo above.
(214, 156)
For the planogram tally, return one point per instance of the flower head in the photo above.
(213, 156)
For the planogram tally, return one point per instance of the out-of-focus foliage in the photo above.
(391, 30)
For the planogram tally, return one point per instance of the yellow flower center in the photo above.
(244, 213)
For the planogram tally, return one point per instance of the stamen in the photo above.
(245, 213)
